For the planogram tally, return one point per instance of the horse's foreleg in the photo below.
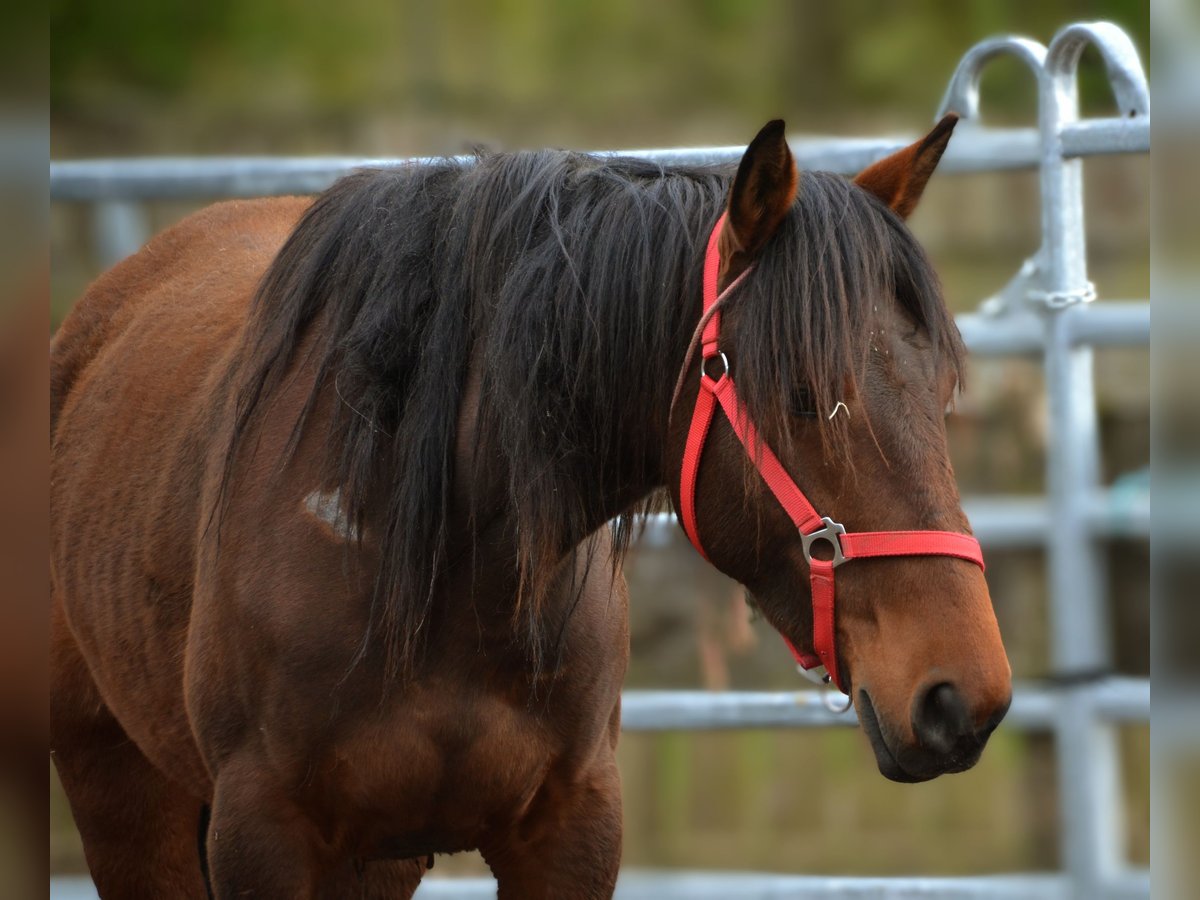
(260, 843)
(139, 829)
(568, 844)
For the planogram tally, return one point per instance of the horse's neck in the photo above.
(482, 480)
(625, 416)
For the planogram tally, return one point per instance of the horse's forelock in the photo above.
(806, 317)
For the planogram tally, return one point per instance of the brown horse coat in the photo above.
(137, 413)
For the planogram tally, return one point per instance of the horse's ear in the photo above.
(763, 189)
(899, 180)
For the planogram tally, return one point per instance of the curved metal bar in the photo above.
(1125, 73)
(1088, 755)
(962, 95)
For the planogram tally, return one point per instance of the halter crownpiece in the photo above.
(815, 529)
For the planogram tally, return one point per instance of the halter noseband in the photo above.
(813, 527)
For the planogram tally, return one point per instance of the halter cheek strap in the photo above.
(813, 527)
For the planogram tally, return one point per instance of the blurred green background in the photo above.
(375, 78)
(404, 77)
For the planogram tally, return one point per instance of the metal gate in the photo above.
(1045, 311)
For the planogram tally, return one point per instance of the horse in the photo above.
(341, 488)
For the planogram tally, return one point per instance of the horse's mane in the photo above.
(573, 283)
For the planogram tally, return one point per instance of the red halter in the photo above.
(813, 527)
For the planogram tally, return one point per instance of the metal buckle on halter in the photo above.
(830, 534)
(818, 675)
(720, 354)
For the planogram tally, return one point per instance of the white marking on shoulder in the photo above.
(327, 506)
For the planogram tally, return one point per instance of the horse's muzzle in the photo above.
(946, 740)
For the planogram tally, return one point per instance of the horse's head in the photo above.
(845, 361)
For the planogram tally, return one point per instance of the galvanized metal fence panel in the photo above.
(1044, 312)
(198, 178)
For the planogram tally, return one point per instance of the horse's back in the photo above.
(180, 272)
(136, 371)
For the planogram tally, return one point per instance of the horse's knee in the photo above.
(568, 843)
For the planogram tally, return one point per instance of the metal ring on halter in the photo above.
(830, 533)
(820, 677)
(827, 698)
(724, 366)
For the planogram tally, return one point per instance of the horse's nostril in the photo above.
(941, 720)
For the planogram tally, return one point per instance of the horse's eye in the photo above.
(801, 403)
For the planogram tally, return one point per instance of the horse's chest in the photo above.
(438, 775)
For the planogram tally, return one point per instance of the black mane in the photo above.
(573, 282)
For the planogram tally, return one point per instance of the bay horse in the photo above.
(334, 584)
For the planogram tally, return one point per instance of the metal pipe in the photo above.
(1035, 707)
(1019, 332)
(1015, 333)
(673, 884)
(1124, 324)
(203, 178)
(705, 885)
(1087, 752)
(119, 229)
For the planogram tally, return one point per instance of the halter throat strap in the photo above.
(842, 546)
